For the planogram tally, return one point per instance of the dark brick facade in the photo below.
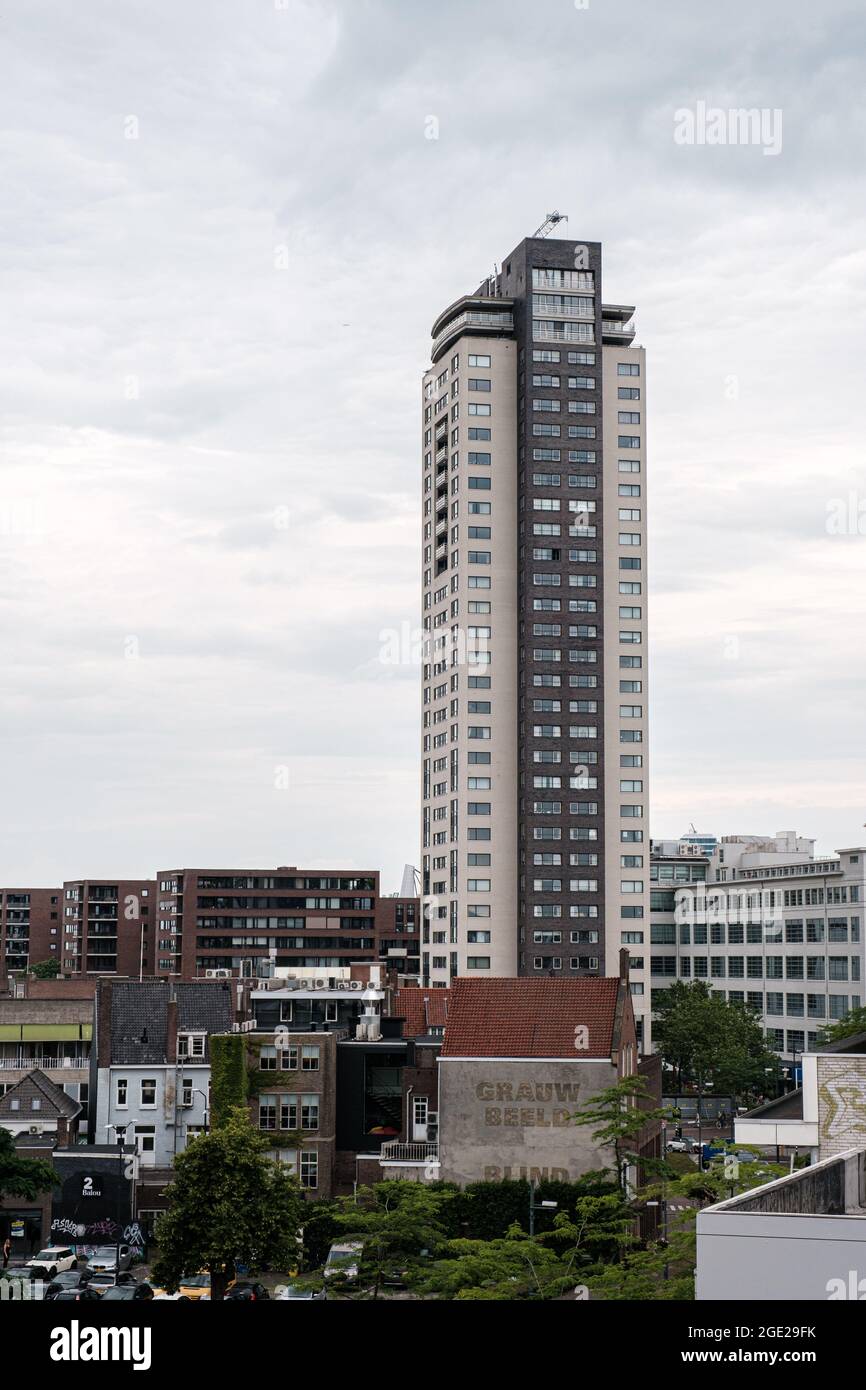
(516, 284)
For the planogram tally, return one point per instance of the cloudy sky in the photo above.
(226, 233)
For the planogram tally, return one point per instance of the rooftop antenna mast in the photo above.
(552, 220)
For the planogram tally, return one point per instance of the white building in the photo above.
(767, 923)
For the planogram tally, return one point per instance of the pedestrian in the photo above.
(7, 1251)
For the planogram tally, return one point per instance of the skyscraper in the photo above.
(535, 845)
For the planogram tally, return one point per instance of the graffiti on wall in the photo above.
(87, 1237)
(841, 1102)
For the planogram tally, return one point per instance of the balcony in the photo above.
(396, 1151)
(46, 1064)
(480, 319)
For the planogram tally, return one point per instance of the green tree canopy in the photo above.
(512, 1268)
(23, 1177)
(45, 969)
(393, 1218)
(710, 1042)
(853, 1022)
(228, 1203)
(618, 1116)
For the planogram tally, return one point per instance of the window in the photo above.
(309, 1111)
(268, 1059)
(309, 1169)
(310, 1057)
(191, 1044)
(145, 1138)
(148, 1094)
(478, 962)
(122, 1093)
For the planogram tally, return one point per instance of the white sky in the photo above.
(209, 466)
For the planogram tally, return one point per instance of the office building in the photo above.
(768, 923)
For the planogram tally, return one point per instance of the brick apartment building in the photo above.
(187, 922)
(29, 927)
(90, 926)
(249, 921)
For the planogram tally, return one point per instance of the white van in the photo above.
(344, 1261)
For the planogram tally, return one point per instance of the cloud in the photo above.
(227, 237)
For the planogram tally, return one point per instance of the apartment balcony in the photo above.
(46, 1064)
(473, 314)
(396, 1151)
(616, 326)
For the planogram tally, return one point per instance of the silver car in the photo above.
(108, 1259)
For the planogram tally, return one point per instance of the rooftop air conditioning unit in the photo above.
(217, 974)
(35, 1129)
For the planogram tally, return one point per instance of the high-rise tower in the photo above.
(535, 844)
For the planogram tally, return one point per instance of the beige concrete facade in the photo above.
(627, 863)
(470, 617)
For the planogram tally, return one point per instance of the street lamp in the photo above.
(120, 1139)
(537, 1206)
(197, 1092)
(702, 1087)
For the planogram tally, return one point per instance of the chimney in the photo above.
(623, 965)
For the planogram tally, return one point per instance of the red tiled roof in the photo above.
(530, 1018)
(422, 1009)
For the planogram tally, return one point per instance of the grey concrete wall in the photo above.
(759, 1258)
(512, 1119)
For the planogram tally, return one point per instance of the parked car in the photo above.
(192, 1286)
(106, 1279)
(344, 1261)
(107, 1257)
(161, 1296)
(291, 1293)
(127, 1293)
(396, 1276)
(83, 1295)
(246, 1290)
(678, 1146)
(54, 1259)
(69, 1279)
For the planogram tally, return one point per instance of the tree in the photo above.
(23, 1177)
(228, 1203)
(596, 1229)
(665, 1268)
(393, 1218)
(512, 1268)
(711, 1043)
(853, 1022)
(619, 1120)
(45, 969)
